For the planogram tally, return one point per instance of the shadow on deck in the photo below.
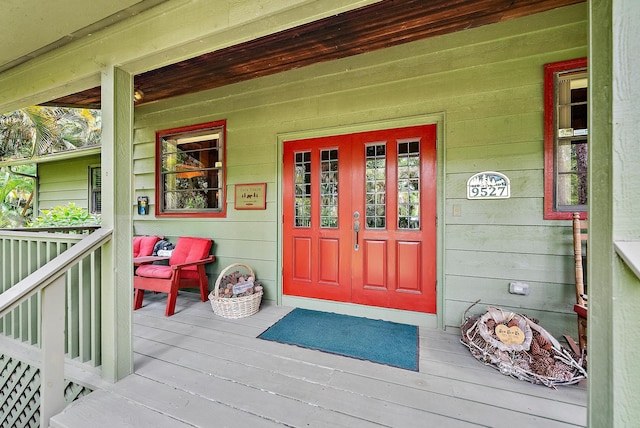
(195, 369)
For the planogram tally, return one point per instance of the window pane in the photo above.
(96, 202)
(409, 185)
(376, 186)
(329, 188)
(192, 171)
(191, 191)
(95, 185)
(571, 141)
(302, 189)
(571, 191)
(571, 182)
(566, 137)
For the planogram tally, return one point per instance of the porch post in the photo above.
(52, 371)
(614, 212)
(117, 212)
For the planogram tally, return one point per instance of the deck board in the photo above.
(200, 370)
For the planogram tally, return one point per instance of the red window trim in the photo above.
(183, 129)
(549, 136)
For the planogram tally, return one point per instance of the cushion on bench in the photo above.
(143, 245)
(164, 272)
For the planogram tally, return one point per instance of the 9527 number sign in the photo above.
(488, 185)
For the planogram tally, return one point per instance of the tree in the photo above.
(37, 131)
(33, 132)
(16, 191)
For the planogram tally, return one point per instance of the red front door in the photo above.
(360, 218)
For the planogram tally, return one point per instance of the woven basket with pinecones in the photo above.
(236, 294)
(519, 347)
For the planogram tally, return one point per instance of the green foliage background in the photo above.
(31, 133)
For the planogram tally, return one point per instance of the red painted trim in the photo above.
(549, 135)
(183, 129)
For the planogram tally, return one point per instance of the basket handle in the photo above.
(224, 272)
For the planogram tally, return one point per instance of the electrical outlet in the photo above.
(519, 288)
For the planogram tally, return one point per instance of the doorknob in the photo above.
(356, 229)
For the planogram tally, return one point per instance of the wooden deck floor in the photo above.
(195, 369)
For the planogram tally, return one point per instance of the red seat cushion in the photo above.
(143, 245)
(154, 271)
(189, 249)
(164, 272)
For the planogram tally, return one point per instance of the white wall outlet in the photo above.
(519, 288)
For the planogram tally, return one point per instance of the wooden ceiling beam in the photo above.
(377, 26)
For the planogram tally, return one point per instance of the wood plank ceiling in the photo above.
(378, 26)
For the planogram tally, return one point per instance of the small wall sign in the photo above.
(251, 196)
(488, 185)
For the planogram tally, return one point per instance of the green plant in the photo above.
(16, 187)
(67, 215)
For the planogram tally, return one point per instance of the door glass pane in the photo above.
(302, 190)
(376, 187)
(329, 188)
(409, 185)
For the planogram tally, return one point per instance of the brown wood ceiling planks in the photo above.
(377, 26)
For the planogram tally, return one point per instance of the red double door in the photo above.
(360, 218)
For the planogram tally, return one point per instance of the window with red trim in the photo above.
(565, 138)
(190, 171)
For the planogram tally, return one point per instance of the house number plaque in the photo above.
(488, 185)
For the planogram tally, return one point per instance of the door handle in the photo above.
(356, 230)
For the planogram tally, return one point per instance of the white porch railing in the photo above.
(51, 285)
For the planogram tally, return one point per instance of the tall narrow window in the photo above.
(190, 171)
(302, 190)
(95, 189)
(566, 138)
(376, 186)
(329, 188)
(409, 185)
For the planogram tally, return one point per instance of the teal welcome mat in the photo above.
(379, 341)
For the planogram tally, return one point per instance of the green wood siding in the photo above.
(65, 181)
(487, 82)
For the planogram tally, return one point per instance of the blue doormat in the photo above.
(379, 341)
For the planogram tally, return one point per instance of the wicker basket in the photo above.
(540, 359)
(234, 307)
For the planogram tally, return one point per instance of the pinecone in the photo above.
(544, 343)
(545, 354)
(535, 348)
(538, 366)
(523, 364)
(561, 371)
